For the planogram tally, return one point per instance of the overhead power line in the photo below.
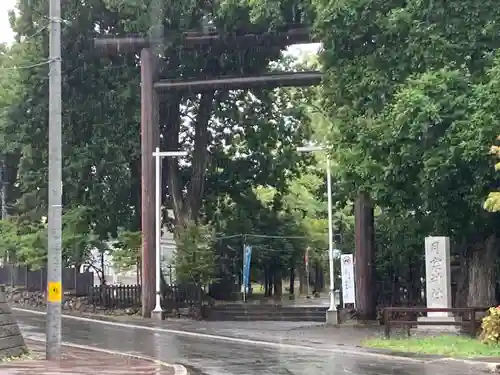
(218, 238)
(44, 27)
(21, 67)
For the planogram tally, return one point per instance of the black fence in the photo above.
(36, 280)
(129, 296)
(115, 296)
(183, 296)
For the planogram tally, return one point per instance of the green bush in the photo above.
(195, 259)
(490, 327)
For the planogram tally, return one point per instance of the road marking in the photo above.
(178, 369)
(228, 339)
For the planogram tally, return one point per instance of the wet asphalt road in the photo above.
(219, 357)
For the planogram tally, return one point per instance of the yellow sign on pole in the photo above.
(54, 291)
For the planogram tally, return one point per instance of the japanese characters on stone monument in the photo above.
(437, 274)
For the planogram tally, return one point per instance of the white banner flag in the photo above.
(347, 273)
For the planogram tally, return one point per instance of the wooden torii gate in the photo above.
(151, 86)
(149, 49)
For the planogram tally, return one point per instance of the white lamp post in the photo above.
(331, 315)
(157, 312)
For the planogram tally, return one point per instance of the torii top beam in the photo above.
(133, 44)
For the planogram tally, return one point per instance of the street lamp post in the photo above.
(158, 311)
(331, 314)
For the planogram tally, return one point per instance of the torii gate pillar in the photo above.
(150, 139)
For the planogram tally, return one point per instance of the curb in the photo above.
(68, 313)
(393, 353)
(178, 369)
(493, 367)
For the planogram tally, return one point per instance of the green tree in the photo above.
(101, 114)
(195, 260)
(78, 239)
(9, 156)
(239, 139)
(127, 252)
(100, 169)
(412, 110)
(9, 239)
(25, 241)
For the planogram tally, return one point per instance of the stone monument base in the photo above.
(439, 329)
(11, 339)
(332, 317)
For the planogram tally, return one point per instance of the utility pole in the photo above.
(54, 287)
(331, 314)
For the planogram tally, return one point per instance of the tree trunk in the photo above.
(482, 274)
(270, 282)
(278, 284)
(302, 281)
(322, 277)
(463, 277)
(103, 280)
(318, 285)
(364, 258)
(200, 155)
(266, 282)
(292, 281)
(135, 171)
(414, 284)
(138, 271)
(395, 294)
(170, 128)
(187, 208)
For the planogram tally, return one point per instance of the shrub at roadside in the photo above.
(490, 327)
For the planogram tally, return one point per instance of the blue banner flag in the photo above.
(247, 258)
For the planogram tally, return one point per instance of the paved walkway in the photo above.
(81, 362)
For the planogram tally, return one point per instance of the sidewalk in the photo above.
(81, 362)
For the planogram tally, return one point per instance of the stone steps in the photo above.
(244, 312)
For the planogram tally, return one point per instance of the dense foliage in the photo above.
(412, 93)
(238, 140)
(409, 107)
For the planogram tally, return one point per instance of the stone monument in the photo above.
(438, 282)
(11, 340)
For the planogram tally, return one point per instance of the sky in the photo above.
(6, 34)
